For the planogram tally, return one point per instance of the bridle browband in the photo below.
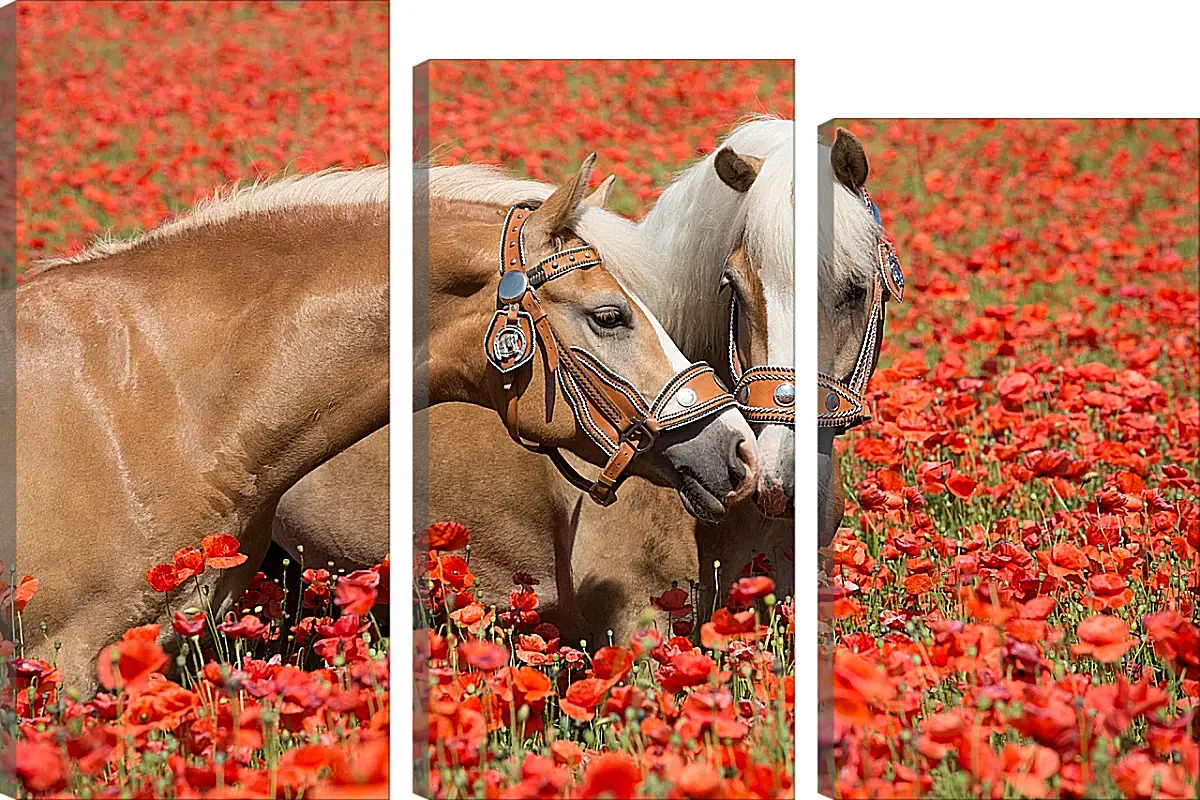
(842, 405)
(607, 407)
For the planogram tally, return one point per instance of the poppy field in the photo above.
(129, 113)
(507, 708)
(1010, 608)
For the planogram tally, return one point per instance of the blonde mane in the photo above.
(698, 221)
(328, 188)
(625, 253)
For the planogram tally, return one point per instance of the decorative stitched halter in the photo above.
(607, 407)
(842, 406)
(764, 394)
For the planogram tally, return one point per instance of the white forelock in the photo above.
(852, 258)
(698, 221)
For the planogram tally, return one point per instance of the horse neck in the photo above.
(449, 363)
(693, 228)
(260, 346)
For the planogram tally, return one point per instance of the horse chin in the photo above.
(698, 501)
(787, 514)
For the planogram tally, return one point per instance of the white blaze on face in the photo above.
(676, 358)
(774, 459)
(732, 418)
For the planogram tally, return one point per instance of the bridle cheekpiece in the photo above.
(842, 405)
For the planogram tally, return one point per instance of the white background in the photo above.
(899, 59)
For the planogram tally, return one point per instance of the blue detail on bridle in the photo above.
(875, 211)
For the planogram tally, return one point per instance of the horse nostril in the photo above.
(743, 472)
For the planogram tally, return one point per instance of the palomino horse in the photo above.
(176, 384)
(339, 512)
(597, 567)
(556, 295)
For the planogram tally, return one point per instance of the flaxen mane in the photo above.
(328, 188)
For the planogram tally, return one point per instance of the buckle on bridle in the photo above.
(642, 434)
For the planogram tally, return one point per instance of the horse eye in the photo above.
(727, 280)
(608, 317)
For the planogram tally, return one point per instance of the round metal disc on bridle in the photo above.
(686, 397)
(510, 342)
(831, 400)
(513, 286)
(743, 395)
(785, 394)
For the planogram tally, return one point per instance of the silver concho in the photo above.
(685, 397)
(513, 286)
(510, 343)
(832, 402)
(743, 394)
(785, 394)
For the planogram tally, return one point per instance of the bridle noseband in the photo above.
(764, 394)
(607, 407)
(842, 406)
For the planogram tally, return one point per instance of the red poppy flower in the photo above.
(130, 663)
(189, 627)
(1175, 639)
(532, 683)
(699, 780)
(248, 627)
(566, 753)
(1104, 638)
(747, 590)
(856, 685)
(41, 766)
(19, 596)
(483, 656)
(221, 551)
(612, 664)
(689, 668)
(448, 536)
(611, 775)
(188, 563)
(674, 602)
(162, 578)
(355, 594)
(580, 701)
(1109, 591)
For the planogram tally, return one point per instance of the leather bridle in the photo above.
(607, 407)
(767, 394)
(842, 405)
(764, 394)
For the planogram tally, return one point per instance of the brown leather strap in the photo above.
(696, 392)
(764, 394)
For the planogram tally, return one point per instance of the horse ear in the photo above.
(737, 171)
(599, 198)
(554, 214)
(849, 161)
